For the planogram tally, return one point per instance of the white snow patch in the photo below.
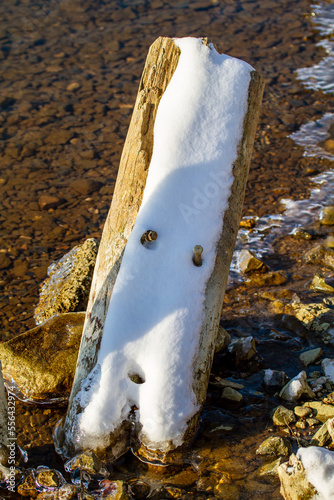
(319, 466)
(157, 306)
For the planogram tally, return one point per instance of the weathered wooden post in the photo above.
(149, 337)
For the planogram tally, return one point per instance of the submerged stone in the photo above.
(329, 241)
(271, 469)
(42, 361)
(326, 216)
(301, 233)
(68, 285)
(274, 278)
(320, 255)
(276, 446)
(248, 222)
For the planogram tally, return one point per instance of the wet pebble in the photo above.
(247, 262)
(302, 411)
(276, 446)
(46, 202)
(301, 233)
(72, 87)
(283, 416)
(5, 261)
(326, 216)
(85, 186)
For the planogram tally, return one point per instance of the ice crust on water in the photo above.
(319, 466)
(157, 306)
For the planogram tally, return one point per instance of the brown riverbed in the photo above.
(69, 75)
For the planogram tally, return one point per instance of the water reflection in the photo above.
(321, 75)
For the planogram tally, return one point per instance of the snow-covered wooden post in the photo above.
(149, 335)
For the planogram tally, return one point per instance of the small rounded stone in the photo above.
(302, 411)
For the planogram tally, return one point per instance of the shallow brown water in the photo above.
(53, 135)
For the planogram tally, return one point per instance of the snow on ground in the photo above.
(319, 466)
(155, 313)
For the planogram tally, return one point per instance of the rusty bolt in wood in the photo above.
(148, 237)
(197, 257)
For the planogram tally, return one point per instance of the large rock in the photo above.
(42, 361)
(68, 285)
(296, 388)
(294, 483)
(308, 475)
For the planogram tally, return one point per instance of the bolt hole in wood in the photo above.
(148, 238)
(137, 379)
